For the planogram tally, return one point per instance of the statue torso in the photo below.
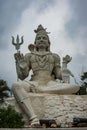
(42, 65)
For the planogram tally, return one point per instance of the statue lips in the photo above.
(42, 44)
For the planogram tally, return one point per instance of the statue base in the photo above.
(62, 108)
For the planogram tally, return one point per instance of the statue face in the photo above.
(42, 41)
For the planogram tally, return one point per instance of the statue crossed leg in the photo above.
(20, 91)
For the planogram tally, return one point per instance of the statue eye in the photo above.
(38, 38)
(44, 38)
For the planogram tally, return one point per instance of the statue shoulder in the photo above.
(28, 55)
(56, 57)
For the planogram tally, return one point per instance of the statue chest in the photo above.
(42, 62)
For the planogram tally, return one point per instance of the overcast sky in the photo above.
(65, 19)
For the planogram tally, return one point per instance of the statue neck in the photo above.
(42, 49)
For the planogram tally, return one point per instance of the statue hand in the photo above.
(18, 56)
(20, 61)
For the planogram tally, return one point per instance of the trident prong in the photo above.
(18, 43)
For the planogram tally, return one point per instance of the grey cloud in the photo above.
(44, 5)
(80, 9)
(78, 65)
(79, 17)
(79, 58)
(10, 17)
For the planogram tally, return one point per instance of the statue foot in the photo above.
(36, 126)
(53, 125)
(35, 123)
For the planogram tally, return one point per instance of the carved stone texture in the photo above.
(61, 108)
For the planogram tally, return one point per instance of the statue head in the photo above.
(67, 59)
(42, 38)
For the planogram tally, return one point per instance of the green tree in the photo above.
(3, 90)
(83, 87)
(9, 118)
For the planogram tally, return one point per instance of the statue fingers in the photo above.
(21, 56)
(18, 56)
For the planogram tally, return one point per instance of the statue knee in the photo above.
(15, 86)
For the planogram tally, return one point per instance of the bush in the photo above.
(9, 118)
(82, 91)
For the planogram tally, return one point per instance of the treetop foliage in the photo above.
(9, 118)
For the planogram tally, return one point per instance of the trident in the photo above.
(18, 43)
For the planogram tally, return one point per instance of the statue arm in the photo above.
(57, 68)
(22, 65)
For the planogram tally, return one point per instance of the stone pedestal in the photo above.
(62, 108)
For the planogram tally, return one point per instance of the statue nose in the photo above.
(41, 40)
